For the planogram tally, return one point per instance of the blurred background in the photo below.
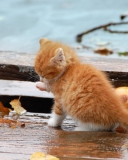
(24, 22)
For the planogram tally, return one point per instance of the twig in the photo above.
(113, 31)
(124, 15)
(79, 36)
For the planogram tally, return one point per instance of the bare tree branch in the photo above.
(79, 36)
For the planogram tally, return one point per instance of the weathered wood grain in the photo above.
(19, 143)
(19, 66)
(17, 72)
(22, 88)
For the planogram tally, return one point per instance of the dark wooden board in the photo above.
(30, 95)
(19, 143)
(31, 104)
(19, 66)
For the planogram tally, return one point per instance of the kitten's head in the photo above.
(53, 58)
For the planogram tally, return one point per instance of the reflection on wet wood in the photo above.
(19, 143)
(19, 66)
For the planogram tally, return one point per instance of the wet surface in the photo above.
(19, 143)
(23, 23)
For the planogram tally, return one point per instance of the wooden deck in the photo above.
(19, 66)
(18, 141)
(21, 141)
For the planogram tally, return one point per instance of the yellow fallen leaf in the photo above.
(3, 110)
(49, 157)
(17, 106)
(37, 156)
(42, 156)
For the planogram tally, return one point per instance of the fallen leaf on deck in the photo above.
(11, 123)
(15, 124)
(42, 156)
(103, 51)
(22, 125)
(123, 53)
(16, 104)
(2, 120)
(3, 110)
(120, 129)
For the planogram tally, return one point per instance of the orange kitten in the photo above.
(80, 90)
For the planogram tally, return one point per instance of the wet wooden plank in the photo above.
(19, 143)
(19, 66)
(27, 59)
(22, 88)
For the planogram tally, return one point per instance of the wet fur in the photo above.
(80, 90)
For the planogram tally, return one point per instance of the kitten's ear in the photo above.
(59, 58)
(43, 41)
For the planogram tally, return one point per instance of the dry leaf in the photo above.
(17, 106)
(42, 156)
(120, 129)
(123, 53)
(22, 125)
(12, 124)
(3, 110)
(103, 51)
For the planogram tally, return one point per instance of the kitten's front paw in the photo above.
(53, 123)
(41, 86)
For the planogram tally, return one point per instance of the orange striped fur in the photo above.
(80, 90)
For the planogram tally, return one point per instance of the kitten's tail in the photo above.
(123, 119)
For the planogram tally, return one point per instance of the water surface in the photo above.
(24, 22)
